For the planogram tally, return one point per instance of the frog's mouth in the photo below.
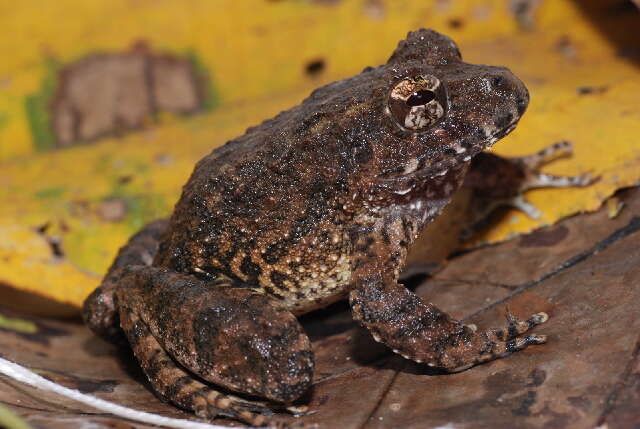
(438, 165)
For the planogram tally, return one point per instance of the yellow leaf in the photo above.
(66, 211)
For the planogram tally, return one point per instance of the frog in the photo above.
(317, 204)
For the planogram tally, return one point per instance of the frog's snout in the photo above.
(522, 102)
(508, 98)
(522, 96)
(510, 85)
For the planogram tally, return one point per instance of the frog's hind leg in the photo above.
(236, 338)
(99, 310)
(175, 384)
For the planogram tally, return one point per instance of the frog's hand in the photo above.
(99, 311)
(496, 181)
(420, 331)
(236, 338)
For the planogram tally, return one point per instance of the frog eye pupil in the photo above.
(420, 98)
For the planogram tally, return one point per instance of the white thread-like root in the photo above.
(24, 375)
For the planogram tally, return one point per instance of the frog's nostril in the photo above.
(499, 82)
(504, 121)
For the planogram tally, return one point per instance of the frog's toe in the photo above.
(497, 349)
(300, 411)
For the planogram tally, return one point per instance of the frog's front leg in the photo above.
(236, 338)
(416, 329)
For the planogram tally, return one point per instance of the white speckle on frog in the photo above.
(458, 148)
(487, 85)
(404, 191)
(411, 166)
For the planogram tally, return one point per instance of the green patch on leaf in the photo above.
(80, 245)
(37, 107)
(9, 420)
(47, 193)
(211, 97)
(18, 325)
(142, 209)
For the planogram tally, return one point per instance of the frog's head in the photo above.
(439, 111)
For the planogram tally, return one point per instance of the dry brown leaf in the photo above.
(584, 272)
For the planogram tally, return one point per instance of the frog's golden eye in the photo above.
(414, 103)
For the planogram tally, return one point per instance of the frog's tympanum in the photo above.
(317, 204)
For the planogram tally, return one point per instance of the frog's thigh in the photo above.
(235, 338)
(178, 386)
(99, 311)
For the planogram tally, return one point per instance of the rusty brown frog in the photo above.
(317, 204)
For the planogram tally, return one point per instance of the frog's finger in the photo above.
(543, 180)
(520, 203)
(494, 350)
(517, 327)
(533, 178)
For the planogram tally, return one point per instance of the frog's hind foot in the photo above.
(174, 384)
